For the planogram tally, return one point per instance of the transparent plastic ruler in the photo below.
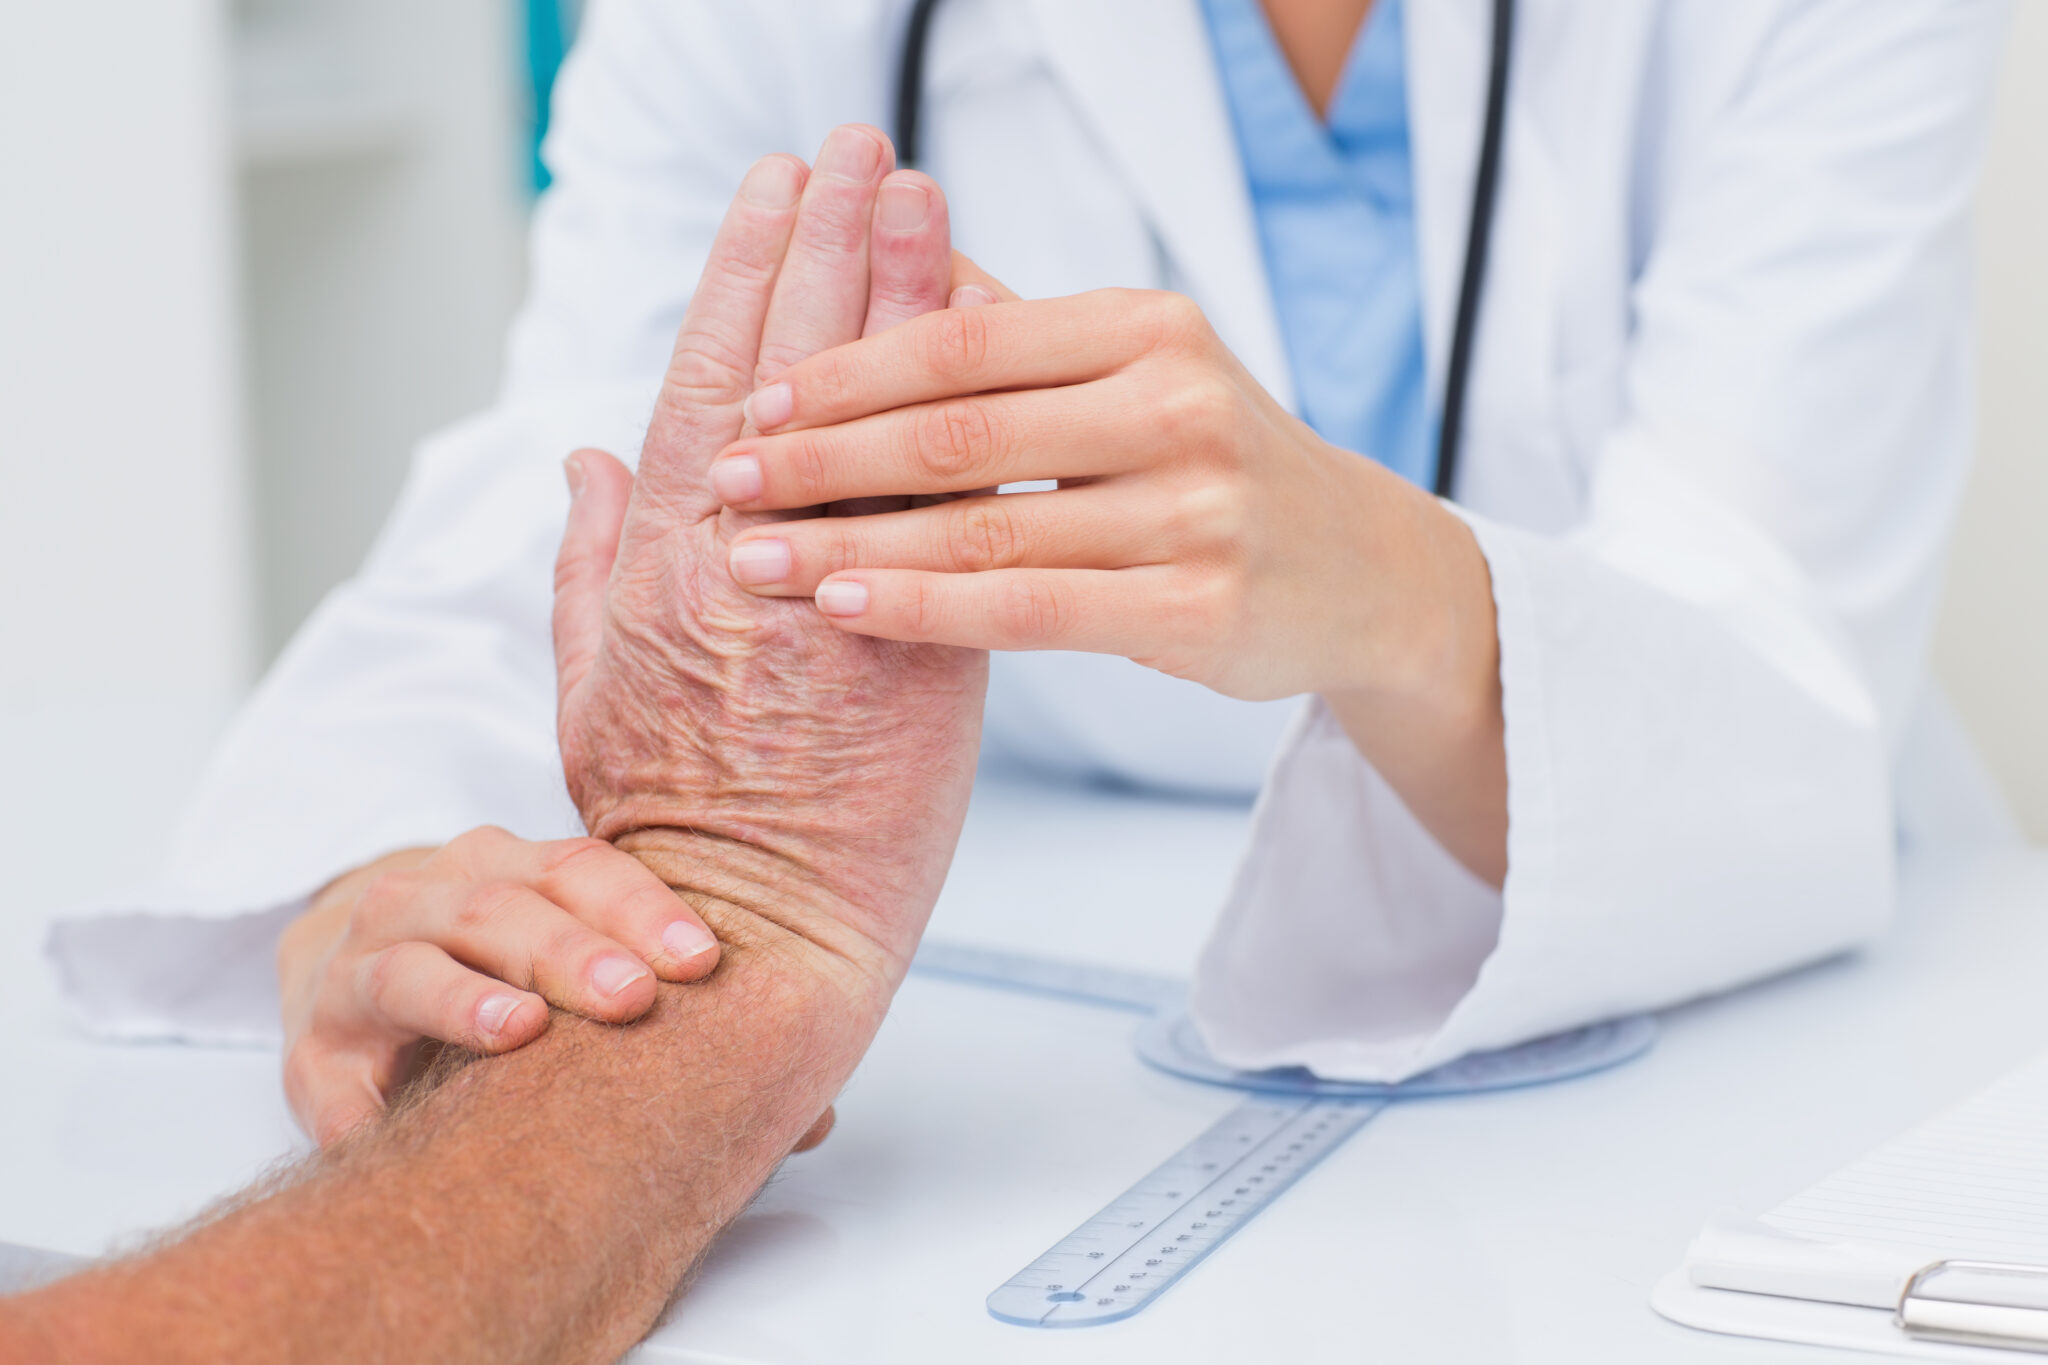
(1118, 1261)
(1082, 981)
(1156, 1231)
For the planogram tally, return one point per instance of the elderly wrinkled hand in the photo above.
(692, 711)
(686, 704)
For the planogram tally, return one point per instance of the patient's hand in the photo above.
(733, 740)
(686, 704)
(468, 944)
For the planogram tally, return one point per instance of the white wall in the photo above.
(1992, 647)
(123, 556)
(385, 231)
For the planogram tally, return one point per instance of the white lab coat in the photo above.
(1719, 423)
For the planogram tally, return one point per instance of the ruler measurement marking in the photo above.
(1215, 1185)
(1314, 1116)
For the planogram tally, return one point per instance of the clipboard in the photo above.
(1935, 1245)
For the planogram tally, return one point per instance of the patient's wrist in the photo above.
(766, 906)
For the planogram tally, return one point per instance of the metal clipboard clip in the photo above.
(1977, 1303)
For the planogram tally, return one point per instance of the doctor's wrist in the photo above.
(1426, 708)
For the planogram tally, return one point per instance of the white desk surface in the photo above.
(1527, 1226)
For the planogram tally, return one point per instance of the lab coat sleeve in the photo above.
(416, 703)
(1704, 682)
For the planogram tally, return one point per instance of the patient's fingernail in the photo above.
(970, 296)
(614, 973)
(572, 470)
(759, 561)
(904, 206)
(773, 183)
(736, 479)
(850, 154)
(686, 940)
(769, 407)
(492, 1013)
(842, 598)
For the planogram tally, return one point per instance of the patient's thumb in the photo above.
(599, 490)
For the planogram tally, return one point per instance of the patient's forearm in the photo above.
(543, 1205)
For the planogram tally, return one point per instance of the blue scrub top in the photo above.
(1335, 206)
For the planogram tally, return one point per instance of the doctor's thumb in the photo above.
(599, 490)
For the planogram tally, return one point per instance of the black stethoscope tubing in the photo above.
(1478, 236)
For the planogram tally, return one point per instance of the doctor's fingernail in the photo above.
(903, 206)
(759, 561)
(492, 1013)
(770, 407)
(842, 598)
(850, 154)
(614, 973)
(736, 479)
(970, 296)
(773, 183)
(685, 940)
(572, 470)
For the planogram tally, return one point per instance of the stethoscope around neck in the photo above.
(910, 109)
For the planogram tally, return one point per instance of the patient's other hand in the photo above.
(468, 944)
(735, 740)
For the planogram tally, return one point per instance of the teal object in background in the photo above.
(550, 28)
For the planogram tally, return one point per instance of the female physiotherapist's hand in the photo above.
(378, 963)
(1198, 528)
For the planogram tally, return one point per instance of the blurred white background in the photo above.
(252, 250)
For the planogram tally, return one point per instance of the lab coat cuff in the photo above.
(198, 964)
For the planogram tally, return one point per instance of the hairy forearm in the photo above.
(543, 1205)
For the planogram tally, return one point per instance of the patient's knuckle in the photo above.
(561, 947)
(481, 846)
(984, 536)
(1032, 610)
(710, 365)
(383, 973)
(302, 1066)
(381, 901)
(484, 908)
(576, 858)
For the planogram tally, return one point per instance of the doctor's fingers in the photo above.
(821, 292)
(909, 252)
(1137, 612)
(713, 364)
(1096, 526)
(955, 446)
(511, 932)
(1036, 344)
